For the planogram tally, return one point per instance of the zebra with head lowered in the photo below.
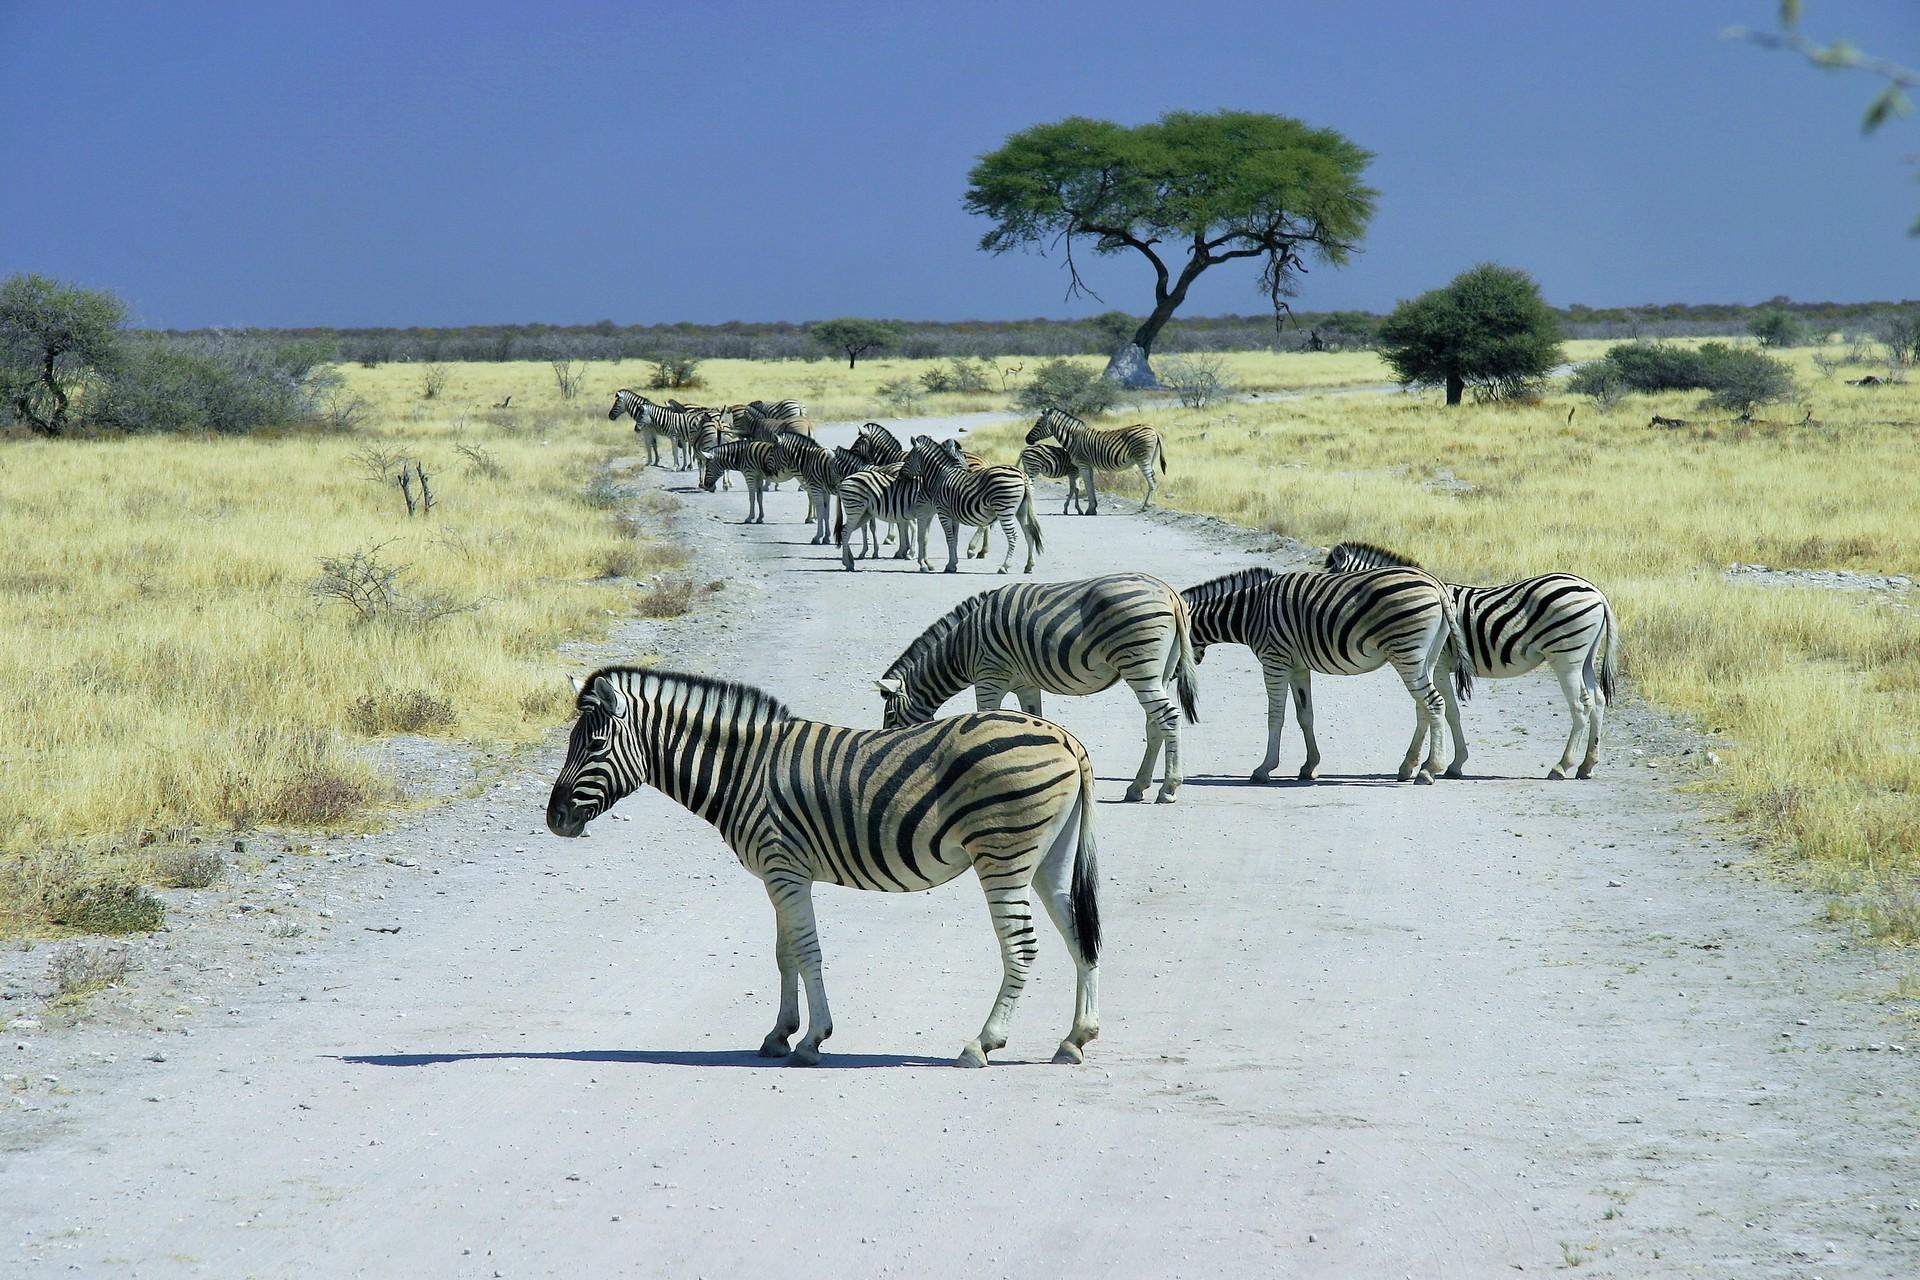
(683, 424)
(1006, 795)
(1555, 618)
(960, 495)
(1067, 637)
(1338, 624)
(1092, 450)
(758, 464)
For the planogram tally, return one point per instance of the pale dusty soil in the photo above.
(1352, 1029)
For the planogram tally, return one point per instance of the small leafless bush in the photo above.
(433, 380)
(602, 492)
(79, 969)
(902, 395)
(361, 580)
(480, 462)
(317, 797)
(380, 465)
(400, 711)
(191, 868)
(342, 412)
(1197, 380)
(668, 597)
(568, 375)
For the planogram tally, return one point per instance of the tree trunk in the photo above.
(851, 356)
(1455, 385)
(1128, 366)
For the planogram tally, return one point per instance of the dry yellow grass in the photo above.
(1817, 691)
(166, 665)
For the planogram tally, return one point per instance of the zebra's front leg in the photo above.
(1579, 704)
(949, 527)
(977, 545)
(1013, 922)
(1278, 681)
(1303, 712)
(756, 500)
(1093, 494)
(792, 895)
(788, 1020)
(1029, 700)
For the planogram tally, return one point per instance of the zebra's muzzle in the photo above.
(565, 823)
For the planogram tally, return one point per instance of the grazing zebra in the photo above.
(1067, 637)
(879, 445)
(960, 495)
(1555, 618)
(1050, 462)
(820, 474)
(756, 461)
(1138, 445)
(678, 422)
(1338, 624)
(1008, 795)
(879, 493)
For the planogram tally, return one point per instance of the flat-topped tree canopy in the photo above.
(1187, 192)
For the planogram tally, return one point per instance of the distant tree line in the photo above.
(1094, 336)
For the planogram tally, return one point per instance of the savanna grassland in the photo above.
(1814, 693)
(167, 664)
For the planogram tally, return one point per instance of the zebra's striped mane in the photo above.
(1374, 555)
(755, 701)
(1226, 584)
(929, 641)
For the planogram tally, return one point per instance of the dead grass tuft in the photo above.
(189, 868)
(79, 969)
(668, 597)
(400, 711)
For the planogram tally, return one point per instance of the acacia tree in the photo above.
(854, 336)
(53, 335)
(1187, 193)
(1489, 328)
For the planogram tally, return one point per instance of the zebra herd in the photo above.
(1009, 795)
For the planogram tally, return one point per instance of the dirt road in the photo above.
(1352, 1029)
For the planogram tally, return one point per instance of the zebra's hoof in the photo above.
(1309, 772)
(1456, 771)
(1068, 1054)
(1586, 770)
(1423, 778)
(1556, 774)
(1166, 796)
(1134, 794)
(971, 1056)
(1404, 774)
(774, 1046)
(1003, 569)
(807, 1055)
(952, 568)
(1258, 776)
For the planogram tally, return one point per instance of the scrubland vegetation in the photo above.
(177, 654)
(1814, 693)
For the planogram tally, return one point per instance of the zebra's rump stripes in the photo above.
(1558, 619)
(1338, 624)
(1006, 795)
(1073, 638)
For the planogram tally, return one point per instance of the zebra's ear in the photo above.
(578, 684)
(609, 695)
(888, 687)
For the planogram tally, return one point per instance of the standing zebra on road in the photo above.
(879, 445)
(960, 495)
(1138, 446)
(680, 423)
(1050, 462)
(820, 474)
(894, 810)
(757, 463)
(1067, 637)
(884, 494)
(1555, 618)
(1338, 624)
(761, 419)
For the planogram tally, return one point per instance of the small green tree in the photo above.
(1116, 329)
(53, 335)
(854, 336)
(1061, 384)
(1488, 329)
(1776, 327)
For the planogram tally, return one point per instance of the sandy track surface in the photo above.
(1358, 1028)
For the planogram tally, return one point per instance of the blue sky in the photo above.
(350, 164)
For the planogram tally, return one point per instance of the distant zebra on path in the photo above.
(1091, 450)
(680, 423)
(1050, 462)
(1555, 618)
(756, 461)
(1339, 624)
(960, 495)
(882, 494)
(1072, 638)
(895, 810)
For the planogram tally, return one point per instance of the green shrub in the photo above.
(1081, 392)
(190, 868)
(673, 372)
(227, 387)
(1734, 377)
(1776, 327)
(106, 908)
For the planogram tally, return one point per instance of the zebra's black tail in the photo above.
(1462, 657)
(1030, 522)
(839, 520)
(1186, 674)
(1162, 451)
(1610, 659)
(1086, 874)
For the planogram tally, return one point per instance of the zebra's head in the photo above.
(627, 402)
(1356, 557)
(899, 706)
(711, 469)
(598, 770)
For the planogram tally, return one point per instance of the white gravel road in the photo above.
(1351, 1029)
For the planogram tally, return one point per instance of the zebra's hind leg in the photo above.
(977, 545)
(1011, 530)
(1278, 681)
(1456, 767)
(1053, 880)
(1146, 473)
(1012, 914)
(792, 896)
(1163, 721)
(1579, 706)
(1596, 720)
(1303, 709)
(1427, 714)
